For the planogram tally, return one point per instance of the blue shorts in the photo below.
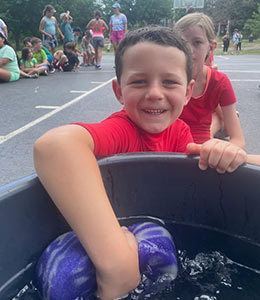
(50, 43)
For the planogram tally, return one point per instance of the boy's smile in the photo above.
(153, 86)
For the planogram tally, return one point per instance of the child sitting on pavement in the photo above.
(29, 64)
(153, 96)
(66, 60)
(60, 60)
(40, 56)
(87, 49)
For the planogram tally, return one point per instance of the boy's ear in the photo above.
(189, 90)
(117, 90)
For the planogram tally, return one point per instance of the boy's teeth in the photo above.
(154, 111)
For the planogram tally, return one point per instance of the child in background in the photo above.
(72, 62)
(86, 47)
(211, 87)
(28, 43)
(29, 64)
(66, 29)
(77, 33)
(153, 96)
(40, 56)
(49, 27)
(60, 60)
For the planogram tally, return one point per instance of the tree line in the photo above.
(23, 16)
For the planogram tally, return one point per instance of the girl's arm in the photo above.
(58, 29)
(105, 25)
(4, 61)
(67, 167)
(125, 27)
(232, 125)
(88, 26)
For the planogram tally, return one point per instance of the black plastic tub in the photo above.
(166, 186)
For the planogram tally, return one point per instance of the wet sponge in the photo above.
(64, 271)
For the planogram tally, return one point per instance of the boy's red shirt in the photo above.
(118, 134)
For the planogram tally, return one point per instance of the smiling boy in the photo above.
(153, 68)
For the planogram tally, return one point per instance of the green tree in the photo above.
(23, 16)
(253, 25)
(236, 11)
(142, 12)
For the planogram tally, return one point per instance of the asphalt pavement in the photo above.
(30, 107)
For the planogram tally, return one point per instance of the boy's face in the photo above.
(69, 50)
(37, 47)
(153, 85)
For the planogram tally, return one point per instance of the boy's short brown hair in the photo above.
(163, 36)
(35, 40)
(27, 40)
(70, 46)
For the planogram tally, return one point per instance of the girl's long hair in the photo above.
(47, 7)
(8, 44)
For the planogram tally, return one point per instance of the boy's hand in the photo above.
(221, 155)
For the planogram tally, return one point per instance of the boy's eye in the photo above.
(169, 82)
(138, 82)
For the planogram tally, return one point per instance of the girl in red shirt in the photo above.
(212, 88)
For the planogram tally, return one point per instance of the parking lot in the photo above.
(30, 107)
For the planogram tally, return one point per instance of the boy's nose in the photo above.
(154, 92)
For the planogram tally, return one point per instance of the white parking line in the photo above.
(12, 134)
(238, 71)
(79, 92)
(246, 80)
(47, 107)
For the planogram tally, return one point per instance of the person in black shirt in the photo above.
(73, 61)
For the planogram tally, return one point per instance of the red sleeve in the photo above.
(112, 136)
(225, 91)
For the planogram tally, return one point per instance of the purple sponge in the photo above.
(64, 270)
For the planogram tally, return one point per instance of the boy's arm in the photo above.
(232, 125)
(221, 155)
(67, 167)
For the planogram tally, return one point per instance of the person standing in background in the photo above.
(226, 41)
(65, 26)
(240, 37)
(235, 41)
(3, 28)
(48, 28)
(97, 25)
(118, 26)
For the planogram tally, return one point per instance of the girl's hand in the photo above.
(221, 155)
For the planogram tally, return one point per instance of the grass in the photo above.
(245, 45)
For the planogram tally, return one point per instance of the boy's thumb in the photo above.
(194, 148)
